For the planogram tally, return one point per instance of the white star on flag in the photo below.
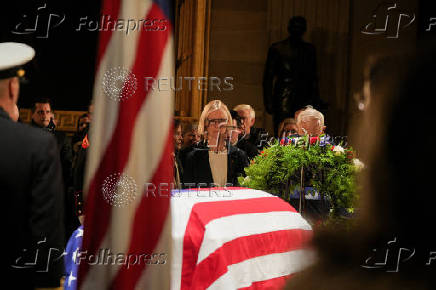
(71, 278)
(75, 255)
(80, 233)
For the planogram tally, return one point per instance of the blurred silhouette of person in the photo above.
(190, 135)
(236, 130)
(252, 135)
(392, 245)
(82, 124)
(178, 141)
(74, 200)
(191, 140)
(290, 79)
(288, 127)
(82, 129)
(239, 137)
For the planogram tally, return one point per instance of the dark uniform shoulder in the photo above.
(24, 134)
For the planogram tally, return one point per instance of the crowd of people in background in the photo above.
(215, 151)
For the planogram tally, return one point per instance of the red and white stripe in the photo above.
(133, 137)
(236, 238)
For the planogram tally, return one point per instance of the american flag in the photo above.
(130, 146)
(236, 238)
(71, 265)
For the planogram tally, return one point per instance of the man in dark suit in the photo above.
(253, 139)
(42, 117)
(30, 185)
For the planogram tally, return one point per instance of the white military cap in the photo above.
(13, 56)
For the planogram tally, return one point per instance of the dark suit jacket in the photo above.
(197, 169)
(66, 156)
(246, 146)
(65, 150)
(183, 154)
(258, 137)
(32, 197)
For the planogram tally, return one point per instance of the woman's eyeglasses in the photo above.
(216, 121)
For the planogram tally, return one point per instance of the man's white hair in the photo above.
(245, 107)
(309, 114)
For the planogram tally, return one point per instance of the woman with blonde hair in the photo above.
(217, 162)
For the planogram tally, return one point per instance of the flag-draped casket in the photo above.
(236, 238)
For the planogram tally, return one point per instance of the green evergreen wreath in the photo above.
(306, 161)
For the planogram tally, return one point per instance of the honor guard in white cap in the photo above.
(30, 186)
(12, 58)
